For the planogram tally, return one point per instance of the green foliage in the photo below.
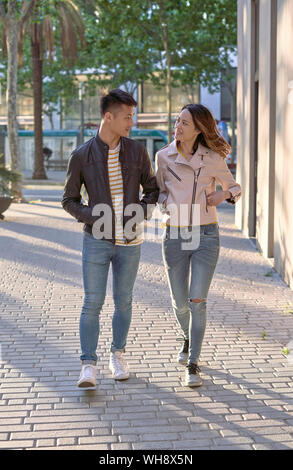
(286, 351)
(129, 42)
(288, 309)
(117, 51)
(269, 273)
(6, 178)
(133, 40)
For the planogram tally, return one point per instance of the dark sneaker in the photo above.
(192, 377)
(183, 354)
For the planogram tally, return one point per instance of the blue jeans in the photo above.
(189, 273)
(96, 258)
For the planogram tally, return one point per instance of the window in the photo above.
(154, 100)
(158, 144)
(25, 104)
(72, 109)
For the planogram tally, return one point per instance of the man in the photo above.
(112, 168)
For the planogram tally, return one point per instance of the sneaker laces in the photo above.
(118, 359)
(87, 372)
(192, 368)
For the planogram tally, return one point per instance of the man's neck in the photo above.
(112, 140)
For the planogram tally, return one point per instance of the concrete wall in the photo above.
(283, 235)
(265, 130)
(245, 118)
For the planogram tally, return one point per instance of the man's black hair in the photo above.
(114, 99)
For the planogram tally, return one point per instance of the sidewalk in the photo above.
(246, 401)
(54, 178)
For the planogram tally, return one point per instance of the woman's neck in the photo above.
(187, 148)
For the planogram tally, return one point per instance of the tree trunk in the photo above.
(61, 127)
(12, 127)
(37, 69)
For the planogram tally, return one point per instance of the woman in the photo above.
(187, 171)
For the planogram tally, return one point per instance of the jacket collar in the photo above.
(105, 148)
(201, 149)
(195, 163)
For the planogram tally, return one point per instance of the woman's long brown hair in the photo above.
(210, 135)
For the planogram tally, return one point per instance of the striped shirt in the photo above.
(116, 189)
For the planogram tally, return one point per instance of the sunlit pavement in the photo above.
(246, 401)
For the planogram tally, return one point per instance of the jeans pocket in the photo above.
(212, 230)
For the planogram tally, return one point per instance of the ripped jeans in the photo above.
(190, 273)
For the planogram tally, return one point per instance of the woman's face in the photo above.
(185, 131)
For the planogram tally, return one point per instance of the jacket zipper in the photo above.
(193, 195)
(173, 173)
(206, 201)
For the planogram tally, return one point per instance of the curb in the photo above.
(28, 182)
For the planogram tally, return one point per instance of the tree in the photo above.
(70, 32)
(14, 15)
(182, 43)
(117, 54)
(59, 86)
(230, 82)
(195, 40)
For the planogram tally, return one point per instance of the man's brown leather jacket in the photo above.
(88, 165)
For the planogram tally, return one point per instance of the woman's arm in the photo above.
(231, 189)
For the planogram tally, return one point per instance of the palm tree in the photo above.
(14, 15)
(42, 32)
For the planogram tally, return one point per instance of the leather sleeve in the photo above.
(149, 184)
(71, 195)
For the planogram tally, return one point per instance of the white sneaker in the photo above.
(87, 378)
(118, 366)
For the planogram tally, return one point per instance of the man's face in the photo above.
(120, 120)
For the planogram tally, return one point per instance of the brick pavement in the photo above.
(246, 401)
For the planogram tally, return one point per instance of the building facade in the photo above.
(151, 111)
(264, 129)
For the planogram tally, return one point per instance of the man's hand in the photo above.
(217, 197)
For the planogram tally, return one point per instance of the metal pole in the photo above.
(81, 95)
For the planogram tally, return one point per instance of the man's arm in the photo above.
(71, 196)
(149, 184)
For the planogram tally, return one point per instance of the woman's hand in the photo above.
(217, 197)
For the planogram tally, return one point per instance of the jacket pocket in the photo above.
(173, 173)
